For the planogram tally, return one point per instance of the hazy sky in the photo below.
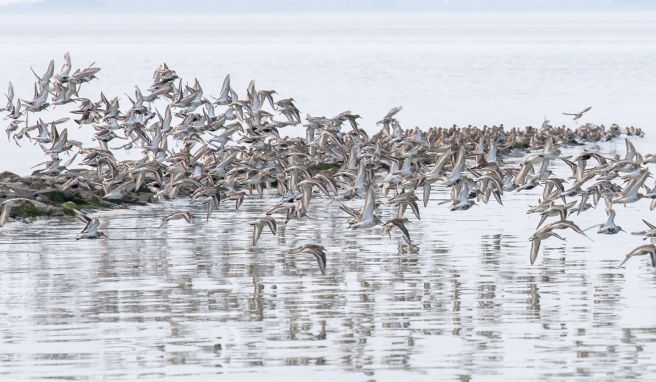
(166, 6)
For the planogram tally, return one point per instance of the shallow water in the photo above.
(198, 302)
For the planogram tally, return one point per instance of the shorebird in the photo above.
(44, 80)
(579, 114)
(434, 175)
(456, 174)
(650, 233)
(186, 215)
(9, 107)
(609, 227)
(90, 230)
(390, 115)
(224, 96)
(400, 224)
(630, 193)
(8, 204)
(555, 210)
(545, 124)
(547, 232)
(183, 143)
(39, 102)
(367, 218)
(259, 224)
(647, 249)
(462, 201)
(318, 251)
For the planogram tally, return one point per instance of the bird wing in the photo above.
(393, 112)
(257, 231)
(630, 150)
(570, 224)
(83, 218)
(415, 208)
(329, 182)
(628, 256)
(10, 92)
(350, 211)
(535, 247)
(607, 201)
(5, 215)
(520, 179)
(548, 146)
(440, 163)
(651, 226)
(306, 194)
(164, 221)
(320, 255)
(460, 162)
(369, 205)
(544, 168)
(427, 191)
(404, 229)
(225, 88)
(611, 217)
(210, 208)
(271, 222)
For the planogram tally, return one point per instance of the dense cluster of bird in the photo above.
(212, 149)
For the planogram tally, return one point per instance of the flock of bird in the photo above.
(185, 142)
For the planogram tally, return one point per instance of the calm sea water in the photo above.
(198, 302)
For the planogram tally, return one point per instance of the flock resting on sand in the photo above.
(215, 150)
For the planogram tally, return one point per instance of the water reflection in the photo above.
(200, 300)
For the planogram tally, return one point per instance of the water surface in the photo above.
(199, 302)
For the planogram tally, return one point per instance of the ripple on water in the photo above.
(198, 301)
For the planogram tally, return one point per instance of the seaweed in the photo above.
(69, 208)
(59, 197)
(26, 210)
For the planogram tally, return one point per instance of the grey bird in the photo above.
(318, 251)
